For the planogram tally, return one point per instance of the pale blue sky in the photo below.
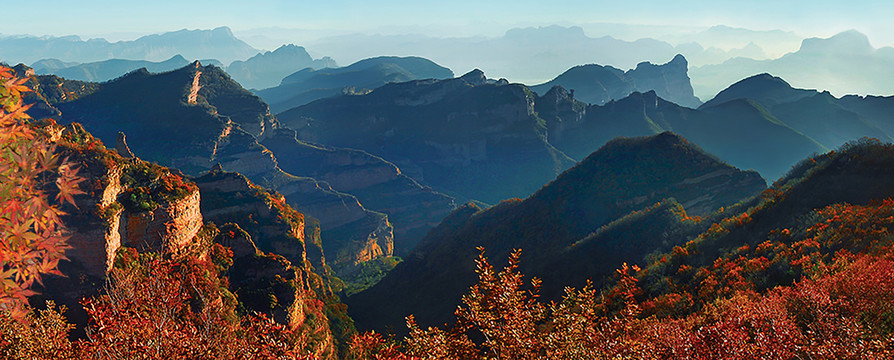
(122, 19)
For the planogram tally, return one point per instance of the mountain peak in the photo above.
(764, 88)
(475, 77)
(222, 31)
(850, 42)
(679, 59)
(177, 58)
(290, 48)
(763, 80)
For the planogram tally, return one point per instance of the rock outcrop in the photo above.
(108, 216)
(271, 284)
(130, 203)
(121, 146)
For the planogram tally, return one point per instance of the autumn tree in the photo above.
(32, 236)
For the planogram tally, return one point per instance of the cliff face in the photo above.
(289, 291)
(130, 203)
(168, 228)
(232, 198)
(107, 218)
(596, 84)
(412, 208)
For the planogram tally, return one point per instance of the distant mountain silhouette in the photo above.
(47, 66)
(625, 175)
(534, 55)
(755, 44)
(310, 84)
(110, 69)
(269, 68)
(597, 84)
(218, 44)
(828, 120)
(843, 64)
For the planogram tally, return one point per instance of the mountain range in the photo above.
(454, 134)
(546, 50)
(845, 63)
(208, 119)
(464, 136)
(554, 226)
(260, 71)
(218, 43)
(105, 70)
(348, 194)
(269, 68)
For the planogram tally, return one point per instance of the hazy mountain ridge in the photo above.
(218, 43)
(595, 84)
(106, 70)
(845, 63)
(547, 50)
(760, 123)
(309, 84)
(269, 68)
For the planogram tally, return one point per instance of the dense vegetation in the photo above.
(825, 293)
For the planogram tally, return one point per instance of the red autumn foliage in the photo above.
(157, 308)
(842, 307)
(32, 240)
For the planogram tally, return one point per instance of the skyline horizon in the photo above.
(117, 21)
(625, 32)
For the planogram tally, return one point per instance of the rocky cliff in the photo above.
(128, 202)
(413, 209)
(597, 84)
